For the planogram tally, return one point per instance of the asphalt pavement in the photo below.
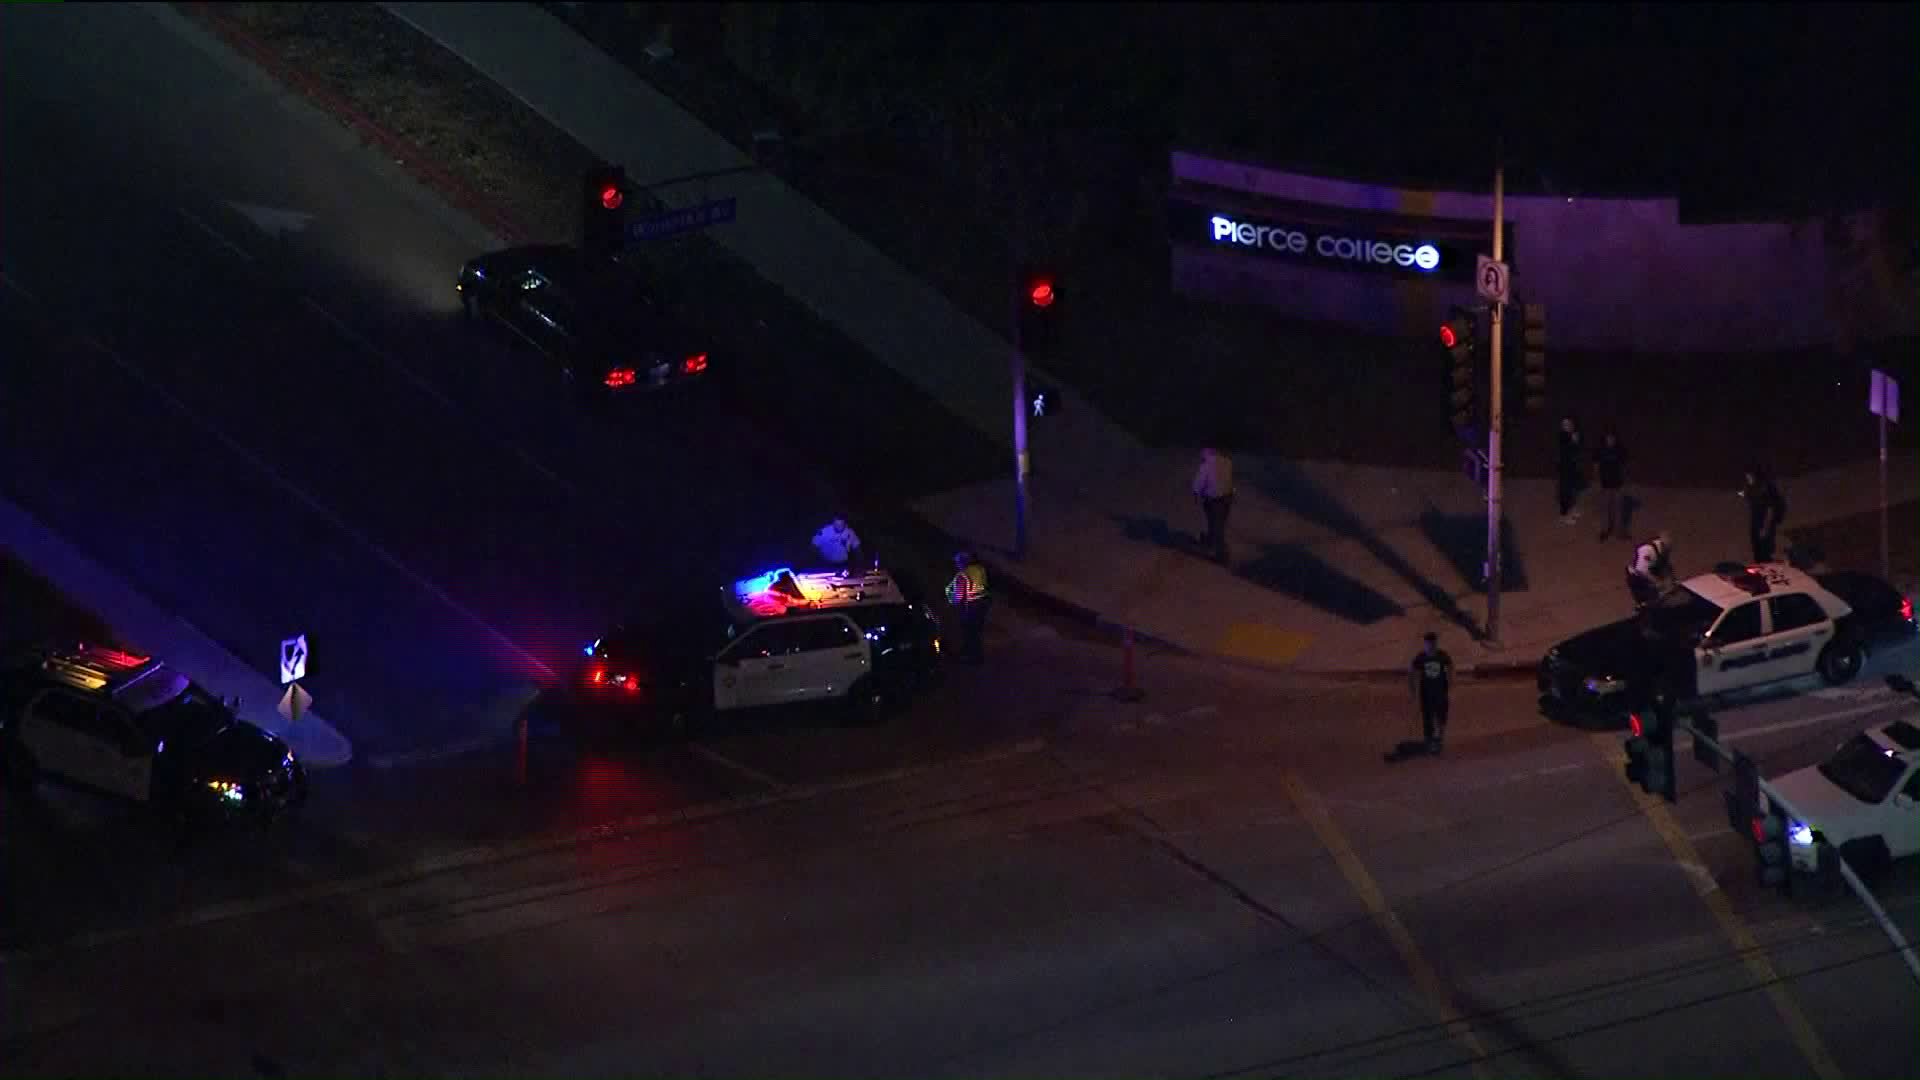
(243, 385)
(1221, 880)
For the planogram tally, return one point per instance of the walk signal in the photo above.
(1039, 304)
(1636, 748)
(603, 210)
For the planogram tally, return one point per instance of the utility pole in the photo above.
(1494, 418)
(1020, 458)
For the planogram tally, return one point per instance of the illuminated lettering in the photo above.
(1279, 238)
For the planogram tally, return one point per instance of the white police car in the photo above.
(1864, 800)
(1726, 632)
(785, 637)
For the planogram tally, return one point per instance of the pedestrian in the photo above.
(837, 544)
(1572, 471)
(968, 595)
(1765, 507)
(1430, 678)
(1213, 486)
(1610, 461)
(1651, 570)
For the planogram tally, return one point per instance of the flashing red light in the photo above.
(1448, 338)
(115, 657)
(695, 364)
(1041, 293)
(1633, 721)
(633, 683)
(599, 676)
(611, 196)
(620, 377)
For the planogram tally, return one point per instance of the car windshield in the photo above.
(152, 690)
(1682, 613)
(1864, 769)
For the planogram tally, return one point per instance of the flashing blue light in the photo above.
(754, 586)
(592, 648)
(1801, 834)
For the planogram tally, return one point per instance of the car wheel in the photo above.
(866, 701)
(1841, 661)
(1868, 857)
(17, 766)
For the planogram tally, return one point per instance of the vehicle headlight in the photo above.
(1799, 834)
(1603, 685)
(230, 790)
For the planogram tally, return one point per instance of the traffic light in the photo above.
(1043, 400)
(1533, 357)
(603, 210)
(1637, 752)
(1458, 339)
(1038, 302)
(1771, 865)
(1659, 733)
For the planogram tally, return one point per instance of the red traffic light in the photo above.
(1639, 730)
(1040, 293)
(1448, 338)
(611, 196)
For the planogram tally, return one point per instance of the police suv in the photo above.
(784, 637)
(128, 725)
(1725, 632)
(1864, 800)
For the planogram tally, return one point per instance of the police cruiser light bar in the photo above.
(777, 592)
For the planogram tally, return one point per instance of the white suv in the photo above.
(1864, 799)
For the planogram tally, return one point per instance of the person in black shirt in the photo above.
(1430, 677)
(1610, 461)
(1765, 507)
(1572, 470)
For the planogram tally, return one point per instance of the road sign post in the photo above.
(1883, 400)
(1498, 276)
(1492, 278)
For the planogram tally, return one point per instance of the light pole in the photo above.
(1494, 420)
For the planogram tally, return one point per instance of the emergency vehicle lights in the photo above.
(620, 377)
(695, 364)
(592, 648)
(115, 657)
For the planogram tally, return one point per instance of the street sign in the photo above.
(293, 659)
(1884, 397)
(1490, 278)
(686, 219)
(295, 702)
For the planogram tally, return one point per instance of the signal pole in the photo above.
(1494, 420)
(1019, 420)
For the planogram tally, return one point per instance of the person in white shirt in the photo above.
(837, 543)
(1651, 570)
(1213, 486)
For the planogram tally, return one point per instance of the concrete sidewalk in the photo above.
(1340, 569)
(144, 626)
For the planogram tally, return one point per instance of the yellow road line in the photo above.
(1656, 812)
(1315, 811)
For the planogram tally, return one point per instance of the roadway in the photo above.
(1223, 880)
(237, 380)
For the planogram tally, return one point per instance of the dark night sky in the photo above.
(1744, 107)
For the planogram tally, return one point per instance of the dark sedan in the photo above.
(594, 322)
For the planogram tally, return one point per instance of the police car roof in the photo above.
(1732, 588)
(785, 591)
(96, 668)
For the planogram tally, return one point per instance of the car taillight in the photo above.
(620, 377)
(695, 364)
(633, 683)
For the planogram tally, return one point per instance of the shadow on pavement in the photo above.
(1462, 538)
(1289, 486)
(1298, 572)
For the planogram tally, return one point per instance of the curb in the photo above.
(403, 151)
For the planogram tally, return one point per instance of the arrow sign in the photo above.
(293, 659)
(272, 220)
(294, 703)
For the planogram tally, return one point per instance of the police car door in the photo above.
(1733, 654)
(834, 654)
(88, 741)
(755, 670)
(1796, 632)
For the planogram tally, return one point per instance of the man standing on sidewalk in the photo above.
(1610, 461)
(1213, 486)
(1430, 679)
(1765, 507)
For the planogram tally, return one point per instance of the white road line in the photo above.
(438, 753)
(280, 480)
(215, 234)
(716, 757)
(421, 384)
(1889, 702)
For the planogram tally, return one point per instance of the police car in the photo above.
(1864, 800)
(784, 637)
(129, 726)
(1722, 633)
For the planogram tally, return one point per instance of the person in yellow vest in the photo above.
(968, 595)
